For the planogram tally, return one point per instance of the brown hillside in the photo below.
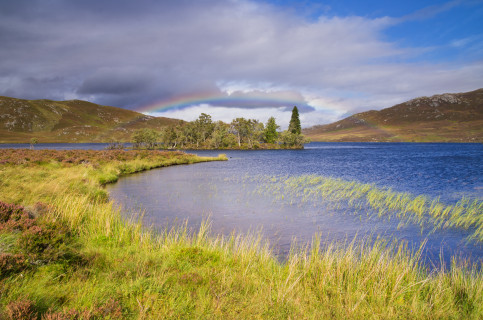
(440, 118)
(70, 121)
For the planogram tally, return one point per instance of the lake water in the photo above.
(248, 193)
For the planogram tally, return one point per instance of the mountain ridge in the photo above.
(448, 117)
(70, 121)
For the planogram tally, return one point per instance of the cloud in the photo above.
(116, 82)
(254, 55)
(254, 99)
(431, 11)
(227, 114)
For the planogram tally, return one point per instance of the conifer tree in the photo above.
(294, 125)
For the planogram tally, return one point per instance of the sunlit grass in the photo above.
(184, 274)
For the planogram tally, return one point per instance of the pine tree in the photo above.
(294, 126)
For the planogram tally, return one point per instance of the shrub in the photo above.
(7, 210)
(14, 217)
(41, 240)
(109, 310)
(21, 310)
(46, 241)
(12, 263)
(74, 157)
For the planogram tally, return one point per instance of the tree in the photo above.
(145, 138)
(246, 130)
(292, 140)
(258, 132)
(191, 134)
(294, 125)
(270, 133)
(204, 126)
(205, 133)
(221, 137)
(115, 145)
(179, 133)
(168, 137)
(33, 142)
(238, 128)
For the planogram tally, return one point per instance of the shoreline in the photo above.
(119, 268)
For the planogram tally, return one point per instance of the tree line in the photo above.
(241, 133)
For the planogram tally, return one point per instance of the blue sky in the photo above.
(444, 30)
(232, 58)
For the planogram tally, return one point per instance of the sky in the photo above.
(240, 58)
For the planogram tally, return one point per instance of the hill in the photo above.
(447, 117)
(70, 121)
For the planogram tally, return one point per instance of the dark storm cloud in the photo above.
(37, 88)
(116, 82)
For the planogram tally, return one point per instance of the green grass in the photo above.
(117, 268)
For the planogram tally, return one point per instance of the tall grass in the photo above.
(187, 274)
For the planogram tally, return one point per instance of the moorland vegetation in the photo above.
(72, 121)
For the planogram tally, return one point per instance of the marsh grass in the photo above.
(133, 272)
(466, 214)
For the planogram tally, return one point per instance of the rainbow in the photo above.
(229, 100)
(254, 99)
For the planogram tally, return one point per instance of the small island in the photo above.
(240, 134)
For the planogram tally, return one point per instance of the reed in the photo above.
(377, 201)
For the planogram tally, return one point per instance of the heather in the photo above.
(67, 253)
(33, 157)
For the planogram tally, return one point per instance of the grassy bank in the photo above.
(66, 253)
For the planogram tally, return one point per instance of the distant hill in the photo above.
(447, 117)
(70, 121)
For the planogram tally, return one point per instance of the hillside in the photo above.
(441, 118)
(70, 121)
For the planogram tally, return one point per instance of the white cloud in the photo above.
(224, 114)
(117, 53)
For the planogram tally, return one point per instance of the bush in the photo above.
(40, 239)
(12, 263)
(109, 310)
(21, 310)
(25, 309)
(46, 242)
(14, 217)
(8, 210)
(69, 157)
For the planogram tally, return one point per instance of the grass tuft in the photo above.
(379, 202)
